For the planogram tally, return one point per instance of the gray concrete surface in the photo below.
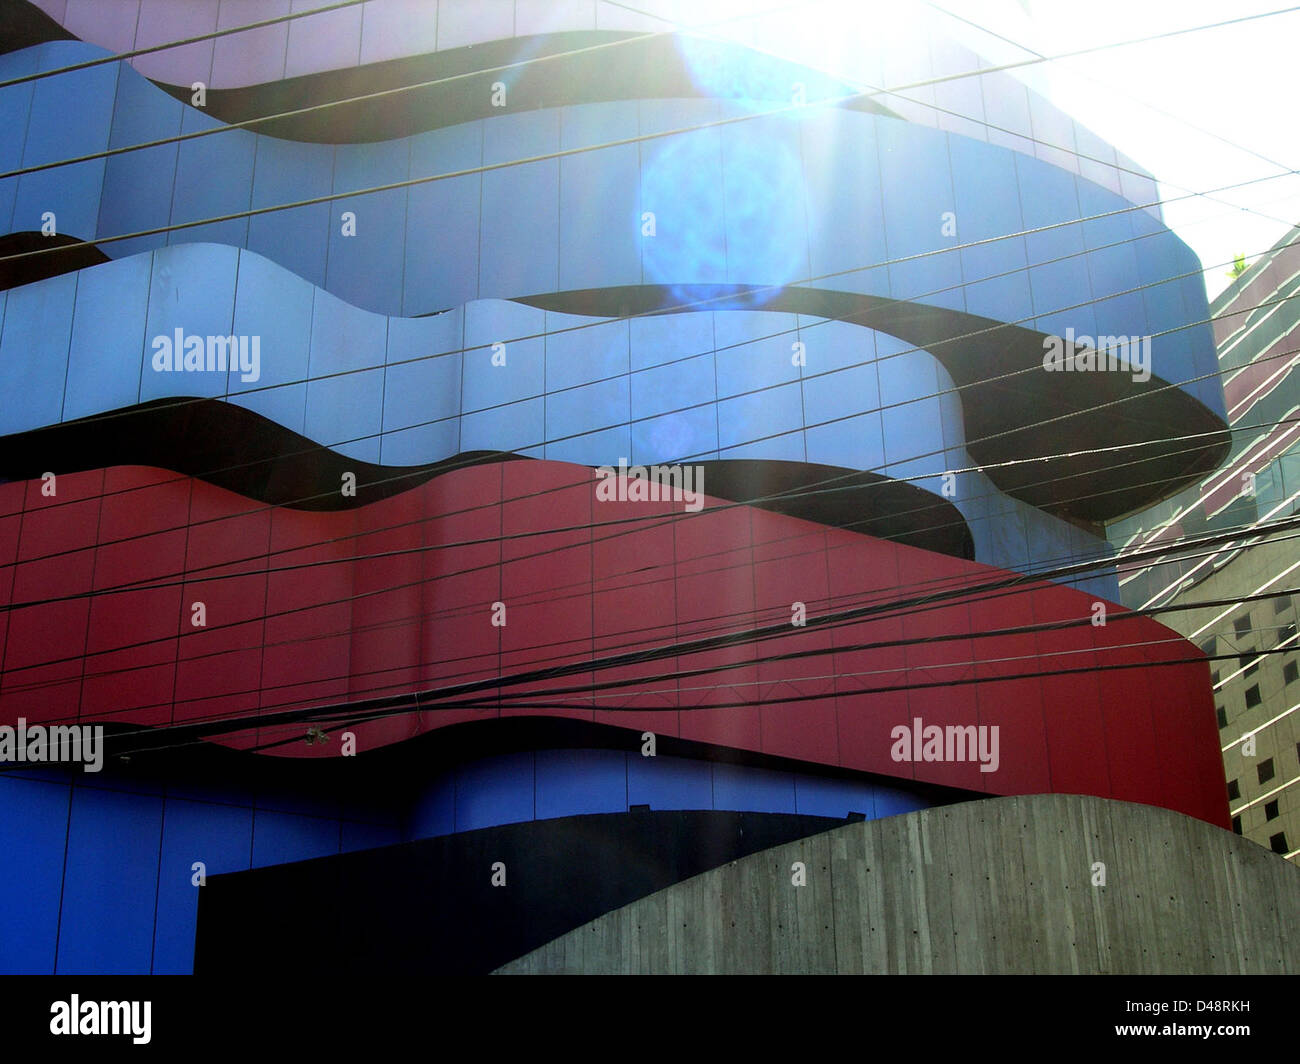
(1002, 885)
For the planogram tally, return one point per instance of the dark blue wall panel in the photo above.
(33, 827)
(218, 835)
(110, 883)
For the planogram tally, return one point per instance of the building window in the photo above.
(1278, 842)
(1285, 634)
(1281, 604)
(1290, 672)
(1247, 663)
(1265, 770)
(1242, 626)
(1270, 810)
(1214, 679)
(1222, 714)
(1209, 645)
(1234, 790)
(1253, 696)
(1236, 824)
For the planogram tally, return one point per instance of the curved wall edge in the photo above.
(943, 891)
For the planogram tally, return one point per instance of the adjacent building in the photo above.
(1252, 630)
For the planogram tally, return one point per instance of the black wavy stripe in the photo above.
(253, 456)
(1095, 487)
(653, 68)
(635, 70)
(424, 908)
(561, 872)
(73, 254)
(24, 25)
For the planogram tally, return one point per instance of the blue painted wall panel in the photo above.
(202, 311)
(276, 307)
(815, 796)
(434, 810)
(138, 184)
(362, 268)
(776, 413)
(442, 220)
(368, 836)
(690, 434)
(497, 791)
(126, 848)
(601, 226)
(422, 388)
(34, 352)
(106, 332)
(581, 349)
(110, 883)
(766, 217)
(585, 410)
(754, 351)
(518, 427)
(15, 106)
(514, 371)
(670, 338)
(518, 238)
(217, 835)
(297, 239)
(663, 782)
(197, 195)
(32, 832)
(71, 192)
(753, 789)
(282, 837)
(570, 782)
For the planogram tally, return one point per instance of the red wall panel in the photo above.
(397, 596)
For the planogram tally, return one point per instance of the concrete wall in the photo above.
(1001, 885)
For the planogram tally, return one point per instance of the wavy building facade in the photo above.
(322, 345)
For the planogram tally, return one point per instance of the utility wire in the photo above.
(945, 249)
(564, 153)
(962, 592)
(867, 362)
(168, 45)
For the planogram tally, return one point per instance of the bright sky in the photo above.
(1200, 111)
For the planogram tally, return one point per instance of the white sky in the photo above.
(1193, 110)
